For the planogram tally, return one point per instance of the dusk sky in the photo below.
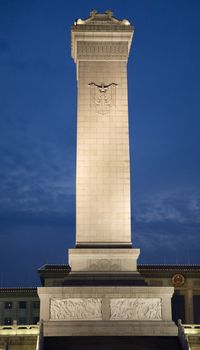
(38, 104)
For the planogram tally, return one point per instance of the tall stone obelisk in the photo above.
(103, 295)
(100, 49)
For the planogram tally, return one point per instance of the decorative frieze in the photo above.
(104, 265)
(135, 309)
(74, 309)
(77, 309)
(102, 50)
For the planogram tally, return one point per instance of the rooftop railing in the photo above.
(15, 329)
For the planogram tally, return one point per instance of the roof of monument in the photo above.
(102, 18)
(100, 27)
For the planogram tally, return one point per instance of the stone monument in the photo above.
(100, 49)
(104, 294)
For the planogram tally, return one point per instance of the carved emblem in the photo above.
(178, 280)
(104, 265)
(103, 96)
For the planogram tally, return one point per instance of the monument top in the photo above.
(102, 19)
(100, 27)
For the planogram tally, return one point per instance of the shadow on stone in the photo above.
(111, 343)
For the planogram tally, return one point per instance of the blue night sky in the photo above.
(38, 131)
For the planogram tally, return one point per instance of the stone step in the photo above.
(111, 343)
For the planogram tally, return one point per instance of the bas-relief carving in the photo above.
(101, 50)
(135, 309)
(103, 265)
(76, 309)
(103, 97)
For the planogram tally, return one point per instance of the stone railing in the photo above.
(15, 329)
(182, 336)
(192, 329)
(39, 345)
(15, 332)
(185, 331)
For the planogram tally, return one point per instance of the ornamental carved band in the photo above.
(102, 50)
(103, 97)
(103, 265)
(135, 309)
(75, 309)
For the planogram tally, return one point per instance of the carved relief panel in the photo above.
(104, 265)
(103, 97)
(74, 309)
(80, 309)
(135, 309)
(102, 50)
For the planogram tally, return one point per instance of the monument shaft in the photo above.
(100, 49)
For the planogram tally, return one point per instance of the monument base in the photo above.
(104, 279)
(103, 259)
(107, 328)
(106, 311)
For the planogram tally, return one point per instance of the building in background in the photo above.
(19, 305)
